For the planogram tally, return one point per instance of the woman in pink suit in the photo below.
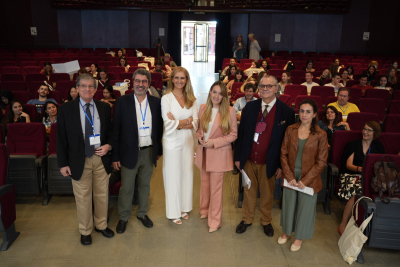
(217, 130)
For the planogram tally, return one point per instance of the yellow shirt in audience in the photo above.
(345, 110)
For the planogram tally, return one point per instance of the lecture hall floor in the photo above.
(50, 237)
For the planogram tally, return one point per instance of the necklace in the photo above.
(177, 95)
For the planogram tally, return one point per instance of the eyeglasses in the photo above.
(84, 86)
(266, 86)
(367, 130)
(143, 81)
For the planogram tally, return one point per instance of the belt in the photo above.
(144, 147)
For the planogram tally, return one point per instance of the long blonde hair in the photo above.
(225, 121)
(188, 92)
(249, 79)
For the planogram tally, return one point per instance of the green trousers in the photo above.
(143, 171)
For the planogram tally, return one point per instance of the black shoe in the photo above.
(146, 221)
(121, 226)
(106, 232)
(241, 228)
(268, 230)
(86, 240)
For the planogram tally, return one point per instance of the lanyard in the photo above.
(90, 121)
(343, 112)
(145, 111)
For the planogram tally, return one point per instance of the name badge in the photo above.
(94, 139)
(144, 131)
(256, 137)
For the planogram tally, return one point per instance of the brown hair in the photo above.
(343, 89)
(376, 127)
(126, 61)
(325, 119)
(239, 71)
(314, 121)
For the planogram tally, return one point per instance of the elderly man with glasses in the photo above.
(257, 152)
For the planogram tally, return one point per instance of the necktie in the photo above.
(89, 150)
(265, 113)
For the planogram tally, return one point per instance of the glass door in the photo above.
(200, 42)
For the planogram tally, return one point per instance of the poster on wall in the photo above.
(366, 36)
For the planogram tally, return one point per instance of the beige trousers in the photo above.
(94, 180)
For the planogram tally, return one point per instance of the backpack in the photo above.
(386, 179)
(290, 67)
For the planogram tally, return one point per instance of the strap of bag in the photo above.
(128, 82)
(389, 189)
(50, 87)
(356, 206)
(366, 222)
(101, 83)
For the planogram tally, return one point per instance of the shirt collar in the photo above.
(83, 103)
(271, 104)
(137, 100)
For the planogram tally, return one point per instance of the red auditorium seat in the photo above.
(27, 63)
(56, 77)
(30, 77)
(394, 107)
(297, 74)
(63, 87)
(355, 93)
(235, 89)
(295, 90)
(8, 63)
(372, 105)
(27, 147)
(396, 95)
(104, 64)
(323, 91)
(132, 60)
(145, 51)
(23, 96)
(12, 77)
(14, 86)
(300, 98)
(8, 213)
(10, 70)
(275, 72)
(357, 120)
(31, 70)
(132, 69)
(31, 110)
(391, 142)
(84, 64)
(391, 123)
(126, 75)
(380, 94)
(116, 70)
(60, 59)
(158, 79)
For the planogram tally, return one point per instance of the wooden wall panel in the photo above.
(69, 27)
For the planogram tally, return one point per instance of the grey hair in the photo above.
(142, 72)
(86, 76)
(269, 76)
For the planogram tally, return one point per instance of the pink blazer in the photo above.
(219, 158)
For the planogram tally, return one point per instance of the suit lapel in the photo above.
(153, 115)
(132, 110)
(215, 124)
(278, 116)
(76, 113)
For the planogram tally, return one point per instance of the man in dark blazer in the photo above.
(84, 138)
(257, 151)
(137, 131)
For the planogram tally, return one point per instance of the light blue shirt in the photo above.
(241, 103)
(96, 118)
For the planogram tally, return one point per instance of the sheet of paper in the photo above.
(245, 180)
(67, 67)
(305, 190)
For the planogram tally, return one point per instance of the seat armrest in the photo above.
(4, 189)
(333, 170)
(40, 159)
(369, 206)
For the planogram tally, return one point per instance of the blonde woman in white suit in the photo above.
(180, 115)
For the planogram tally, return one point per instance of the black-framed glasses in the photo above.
(266, 86)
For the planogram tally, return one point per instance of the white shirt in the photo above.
(309, 86)
(336, 88)
(97, 124)
(140, 114)
(270, 105)
(210, 125)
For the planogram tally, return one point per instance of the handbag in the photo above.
(386, 179)
(139, 54)
(353, 239)
(349, 185)
(145, 65)
(122, 87)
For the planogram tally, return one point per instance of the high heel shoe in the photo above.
(203, 216)
(212, 230)
(282, 241)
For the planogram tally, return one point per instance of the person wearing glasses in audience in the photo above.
(181, 117)
(257, 151)
(304, 154)
(353, 160)
(137, 146)
(217, 130)
(345, 77)
(84, 138)
(343, 105)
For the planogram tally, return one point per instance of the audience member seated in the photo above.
(330, 123)
(124, 63)
(158, 69)
(374, 63)
(93, 69)
(241, 90)
(383, 84)
(395, 64)
(232, 63)
(260, 75)
(265, 65)
(16, 114)
(345, 77)
(43, 93)
(254, 68)
(167, 58)
(289, 66)
(239, 48)
(120, 53)
(370, 73)
(309, 82)
(72, 93)
(342, 104)
(249, 91)
(392, 77)
(285, 80)
(352, 163)
(6, 98)
(108, 94)
(49, 116)
(232, 71)
(334, 68)
(309, 66)
(238, 78)
(326, 74)
(340, 66)
(363, 83)
(47, 69)
(335, 82)
(82, 71)
(350, 70)
(103, 77)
